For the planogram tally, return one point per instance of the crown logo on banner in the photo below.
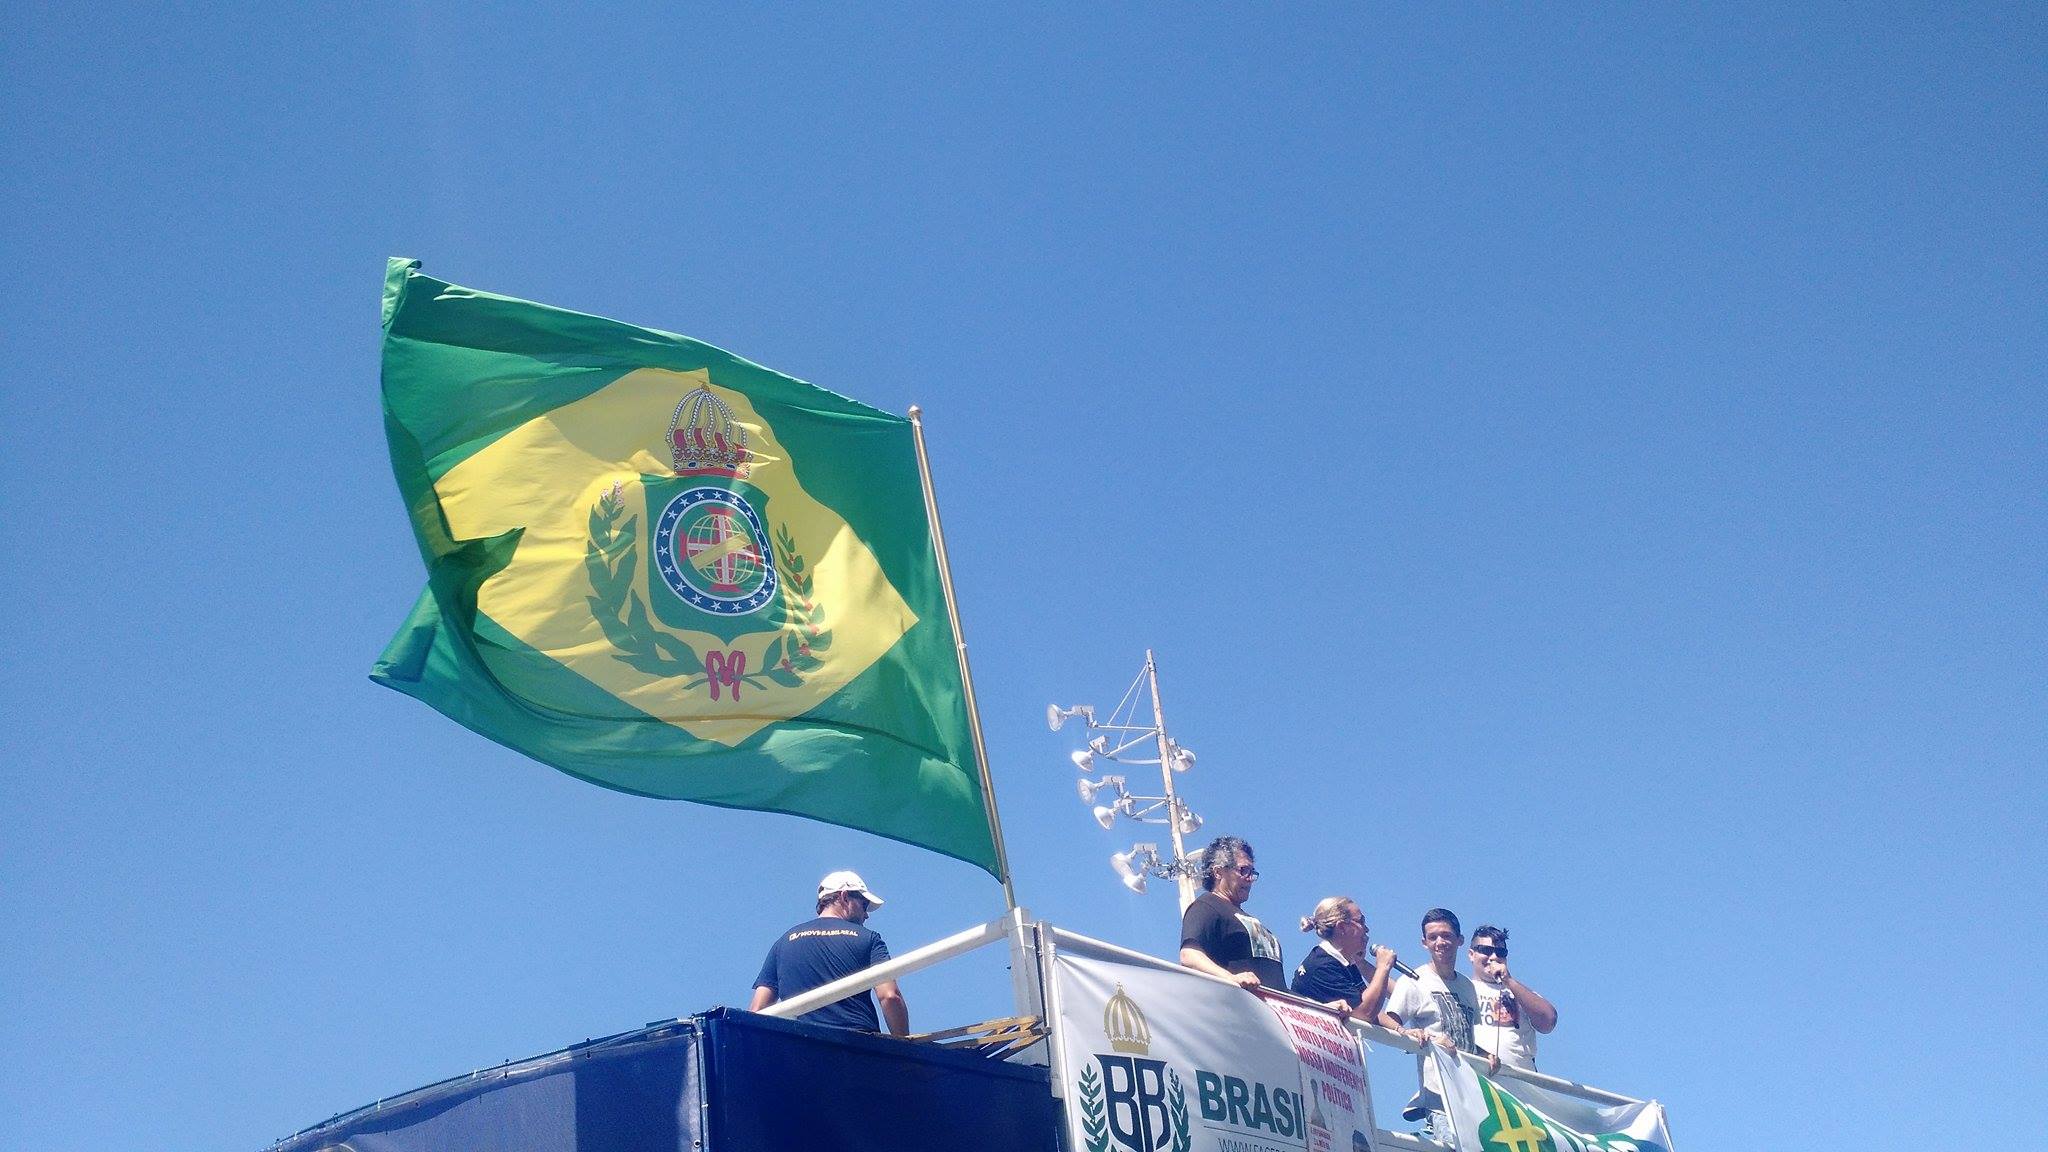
(1124, 1025)
(704, 438)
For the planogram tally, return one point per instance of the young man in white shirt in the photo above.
(1511, 1014)
(1439, 1004)
(1435, 1006)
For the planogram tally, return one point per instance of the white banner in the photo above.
(1158, 1060)
(1509, 1115)
(1333, 1067)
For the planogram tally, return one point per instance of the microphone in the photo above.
(1403, 969)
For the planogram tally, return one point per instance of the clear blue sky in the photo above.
(1649, 549)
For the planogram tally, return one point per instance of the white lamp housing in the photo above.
(1088, 788)
(1127, 866)
(1056, 716)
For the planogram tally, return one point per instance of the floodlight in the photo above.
(1083, 759)
(1182, 759)
(1189, 822)
(1125, 865)
(1056, 716)
(1105, 815)
(1088, 788)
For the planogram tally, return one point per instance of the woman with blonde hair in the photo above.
(1334, 971)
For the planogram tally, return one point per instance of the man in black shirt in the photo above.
(1216, 935)
(835, 945)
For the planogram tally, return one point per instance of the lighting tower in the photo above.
(1127, 746)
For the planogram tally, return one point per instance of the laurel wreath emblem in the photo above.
(610, 560)
(1094, 1118)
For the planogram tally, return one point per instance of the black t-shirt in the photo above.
(1235, 940)
(1323, 978)
(818, 952)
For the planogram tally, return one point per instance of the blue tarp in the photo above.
(780, 1085)
(721, 1082)
(639, 1090)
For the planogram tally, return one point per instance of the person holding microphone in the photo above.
(1338, 971)
(1511, 1014)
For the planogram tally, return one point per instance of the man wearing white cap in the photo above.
(835, 945)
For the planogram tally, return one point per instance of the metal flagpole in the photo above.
(988, 788)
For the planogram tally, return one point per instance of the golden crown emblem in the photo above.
(705, 439)
(1124, 1025)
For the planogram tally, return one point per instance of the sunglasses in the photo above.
(1490, 950)
(1246, 871)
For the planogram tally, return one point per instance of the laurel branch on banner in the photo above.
(610, 560)
(1177, 1112)
(1094, 1118)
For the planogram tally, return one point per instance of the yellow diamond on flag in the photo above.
(546, 478)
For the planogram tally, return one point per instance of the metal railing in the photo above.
(1388, 1038)
(1028, 937)
(1371, 1033)
(958, 944)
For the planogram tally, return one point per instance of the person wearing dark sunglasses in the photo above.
(1511, 1014)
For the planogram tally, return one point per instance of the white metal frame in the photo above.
(1168, 809)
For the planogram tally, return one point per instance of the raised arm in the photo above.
(1542, 1013)
(1374, 997)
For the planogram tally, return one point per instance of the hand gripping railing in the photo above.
(1387, 1037)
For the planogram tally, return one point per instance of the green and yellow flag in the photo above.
(663, 569)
